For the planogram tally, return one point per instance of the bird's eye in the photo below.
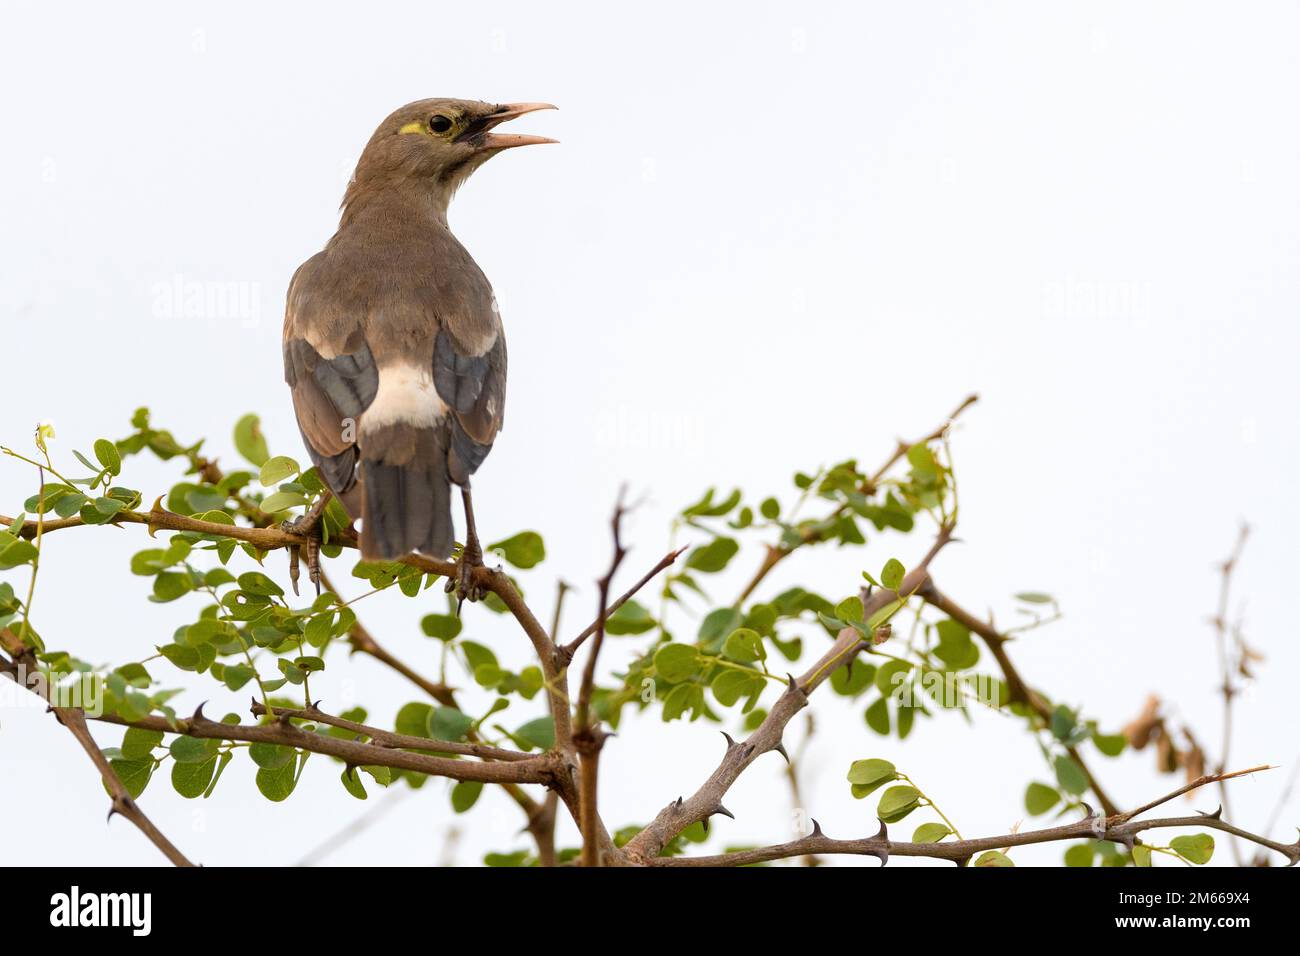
(440, 124)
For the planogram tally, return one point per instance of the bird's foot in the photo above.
(309, 526)
(462, 583)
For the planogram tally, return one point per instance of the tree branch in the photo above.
(1120, 829)
(539, 768)
(707, 800)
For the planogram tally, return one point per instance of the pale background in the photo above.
(775, 235)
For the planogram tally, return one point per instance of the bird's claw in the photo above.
(462, 582)
(309, 527)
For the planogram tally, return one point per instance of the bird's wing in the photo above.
(474, 389)
(329, 395)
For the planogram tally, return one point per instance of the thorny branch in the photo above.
(1119, 828)
(589, 738)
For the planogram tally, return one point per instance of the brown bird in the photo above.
(393, 345)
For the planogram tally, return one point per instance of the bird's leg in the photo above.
(308, 525)
(471, 557)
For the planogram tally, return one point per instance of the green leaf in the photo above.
(729, 686)
(465, 794)
(1039, 798)
(1197, 848)
(631, 618)
(186, 658)
(108, 456)
(993, 858)
(877, 716)
(277, 469)
(134, 774)
(448, 723)
(1070, 775)
(351, 781)
(524, 550)
(891, 575)
(676, 662)
(1141, 855)
(276, 784)
(539, 732)
(717, 624)
(271, 756)
(744, 646)
(249, 441)
(1080, 854)
(1112, 745)
(257, 583)
(868, 775)
(713, 557)
(850, 610)
(897, 802)
(138, 744)
(191, 749)
(1034, 597)
(891, 677)
(413, 719)
(444, 627)
(282, 501)
(955, 647)
(930, 833)
(191, 780)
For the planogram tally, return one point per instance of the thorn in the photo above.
(730, 743)
(705, 823)
(1088, 811)
(780, 748)
(678, 804)
(963, 862)
(1216, 815)
(724, 811)
(817, 829)
(883, 836)
(197, 717)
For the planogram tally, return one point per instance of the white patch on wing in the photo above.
(406, 394)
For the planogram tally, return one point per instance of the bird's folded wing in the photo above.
(329, 396)
(474, 390)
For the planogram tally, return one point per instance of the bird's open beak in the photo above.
(509, 111)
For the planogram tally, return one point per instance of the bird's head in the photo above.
(436, 144)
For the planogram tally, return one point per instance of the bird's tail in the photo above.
(406, 504)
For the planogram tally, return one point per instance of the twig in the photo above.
(1226, 686)
(775, 554)
(568, 650)
(587, 737)
(1016, 686)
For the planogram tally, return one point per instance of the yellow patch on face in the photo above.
(414, 128)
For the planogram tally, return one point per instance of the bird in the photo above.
(394, 350)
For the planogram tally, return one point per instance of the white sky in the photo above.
(773, 237)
